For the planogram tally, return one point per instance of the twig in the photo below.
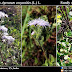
(1, 56)
(67, 37)
(62, 12)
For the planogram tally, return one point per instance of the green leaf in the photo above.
(46, 63)
(36, 60)
(52, 59)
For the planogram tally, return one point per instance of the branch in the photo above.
(68, 37)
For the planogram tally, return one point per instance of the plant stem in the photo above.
(45, 54)
(1, 56)
(27, 15)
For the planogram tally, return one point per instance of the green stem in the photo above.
(30, 36)
(23, 28)
(25, 20)
(45, 54)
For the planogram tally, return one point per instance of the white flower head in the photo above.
(10, 39)
(39, 22)
(6, 15)
(8, 8)
(66, 57)
(63, 43)
(63, 50)
(2, 15)
(3, 28)
(70, 13)
(32, 33)
(33, 22)
(5, 33)
(43, 23)
(14, 57)
(4, 40)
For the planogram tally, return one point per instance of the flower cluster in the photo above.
(39, 22)
(70, 13)
(10, 39)
(5, 36)
(2, 15)
(32, 33)
(3, 28)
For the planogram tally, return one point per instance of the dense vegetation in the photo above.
(10, 36)
(64, 35)
(38, 36)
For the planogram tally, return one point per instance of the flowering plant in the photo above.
(64, 36)
(38, 36)
(10, 45)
